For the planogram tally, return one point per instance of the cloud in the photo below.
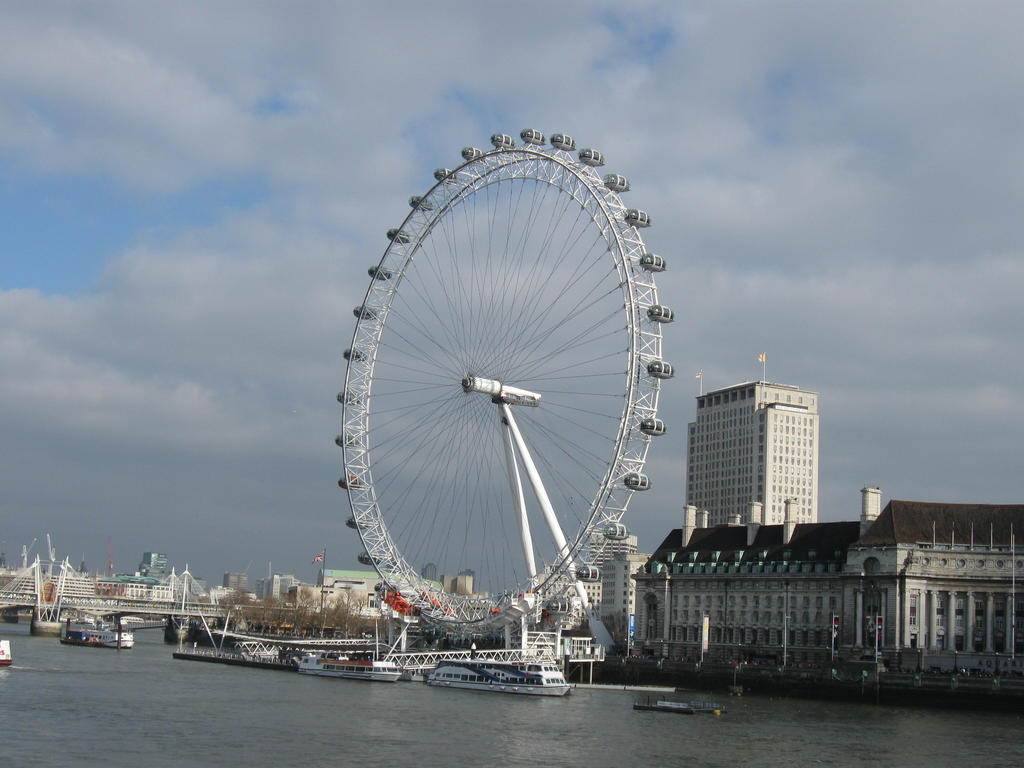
(838, 189)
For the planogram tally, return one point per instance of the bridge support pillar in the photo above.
(176, 629)
(41, 626)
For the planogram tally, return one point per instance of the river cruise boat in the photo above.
(5, 653)
(529, 678)
(328, 665)
(99, 636)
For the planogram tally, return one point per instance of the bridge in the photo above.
(56, 590)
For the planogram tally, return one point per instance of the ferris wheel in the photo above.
(502, 384)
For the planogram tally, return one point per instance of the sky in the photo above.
(190, 195)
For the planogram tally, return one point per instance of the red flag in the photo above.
(319, 558)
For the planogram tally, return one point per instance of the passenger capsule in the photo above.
(616, 182)
(561, 141)
(348, 399)
(654, 427)
(353, 354)
(364, 313)
(638, 218)
(396, 235)
(421, 202)
(380, 273)
(557, 606)
(502, 141)
(471, 153)
(652, 262)
(588, 573)
(637, 481)
(591, 157)
(532, 136)
(446, 174)
(659, 369)
(339, 440)
(364, 558)
(659, 313)
(615, 531)
(351, 523)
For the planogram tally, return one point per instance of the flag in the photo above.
(760, 358)
(700, 374)
(320, 558)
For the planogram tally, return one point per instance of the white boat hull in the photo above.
(349, 669)
(527, 690)
(525, 679)
(96, 638)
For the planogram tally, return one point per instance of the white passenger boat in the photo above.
(529, 678)
(97, 636)
(5, 653)
(329, 665)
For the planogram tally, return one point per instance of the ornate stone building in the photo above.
(926, 585)
(769, 592)
(940, 578)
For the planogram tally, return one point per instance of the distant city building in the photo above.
(615, 547)
(460, 584)
(356, 589)
(234, 580)
(275, 586)
(154, 564)
(429, 572)
(610, 549)
(754, 442)
(618, 592)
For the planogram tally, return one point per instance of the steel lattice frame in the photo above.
(606, 212)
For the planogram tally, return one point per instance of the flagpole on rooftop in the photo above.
(1013, 595)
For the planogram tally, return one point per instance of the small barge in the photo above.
(680, 707)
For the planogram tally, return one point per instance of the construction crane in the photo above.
(24, 552)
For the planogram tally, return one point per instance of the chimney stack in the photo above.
(870, 507)
(734, 518)
(689, 522)
(755, 521)
(789, 523)
(702, 518)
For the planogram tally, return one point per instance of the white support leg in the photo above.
(538, 488)
(517, 493)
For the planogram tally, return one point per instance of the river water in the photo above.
(72, 706)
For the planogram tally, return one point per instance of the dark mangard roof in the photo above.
(905, 522)
(730, 544)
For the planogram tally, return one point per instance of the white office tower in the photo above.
(754, 442)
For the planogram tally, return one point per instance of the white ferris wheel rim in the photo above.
(540, 168)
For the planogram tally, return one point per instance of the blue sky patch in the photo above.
(60, 231)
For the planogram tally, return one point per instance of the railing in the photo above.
(39, 586)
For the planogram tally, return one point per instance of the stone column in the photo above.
(883, 611)
(1008, 633)
(859, 620)
(933, 619)
(969, 622)
(990, 612)
(666, 628)
(907, 630)
(951, 621)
